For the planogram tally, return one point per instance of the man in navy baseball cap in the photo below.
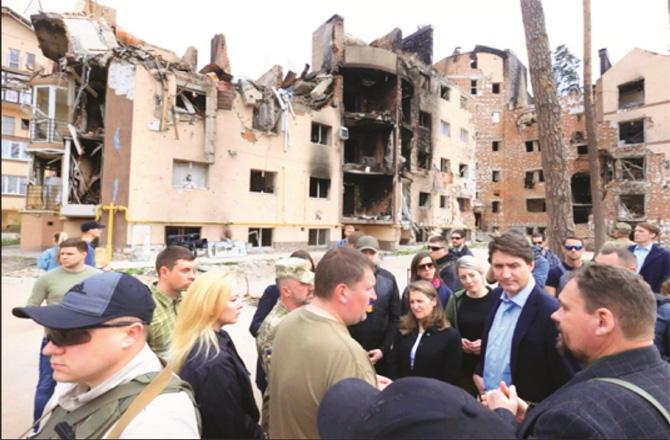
(97, 344)
(411, 407)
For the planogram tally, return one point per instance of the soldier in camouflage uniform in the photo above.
(295, 281)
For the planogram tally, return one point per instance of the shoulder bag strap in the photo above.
(150, 392)
(640, 392)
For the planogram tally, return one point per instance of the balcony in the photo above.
(43, 197)
(47, 131)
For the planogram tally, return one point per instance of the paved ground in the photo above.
(21, 338)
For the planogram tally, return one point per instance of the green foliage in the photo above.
(135, 271)
(566, 70)
(10, 241)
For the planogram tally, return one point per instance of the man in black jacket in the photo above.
(607, 319)
(446, 261)
(376, 332)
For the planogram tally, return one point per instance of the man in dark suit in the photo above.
(607, 319)
(653, 262)
(519, 340)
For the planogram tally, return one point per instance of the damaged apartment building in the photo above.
(510, 178)
(133, 135)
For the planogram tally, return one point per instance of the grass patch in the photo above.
(136, 271)
(10, 241)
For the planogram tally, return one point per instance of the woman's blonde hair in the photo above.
(436, 319)
(203, 304)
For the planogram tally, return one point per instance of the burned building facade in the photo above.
(132, 134)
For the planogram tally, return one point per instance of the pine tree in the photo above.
(566, 70)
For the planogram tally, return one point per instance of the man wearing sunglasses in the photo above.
(458, 247)
(97, 343)
(573, 249)
(446, 261)
(50, 288)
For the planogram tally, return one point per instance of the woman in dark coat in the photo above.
(203, 355)
(424, 267)
(426, 345)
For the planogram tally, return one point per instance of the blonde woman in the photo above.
(426, 345)
(204, 355)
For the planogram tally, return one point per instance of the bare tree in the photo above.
(548, 109)
(600, 234)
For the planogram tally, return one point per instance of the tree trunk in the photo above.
(598, 209)
(557, 180)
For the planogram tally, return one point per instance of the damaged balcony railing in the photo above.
(43, 197)
(47, 130)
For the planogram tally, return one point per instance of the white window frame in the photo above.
(14, 63)
(20, 185)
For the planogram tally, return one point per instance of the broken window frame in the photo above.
(445, 165)
(319, 188)
(463, 170)
(320, 133)
(622, 205)
(531, 145)
(262, 237)
(631, 169)
(190, 105)
(318, 237)
(464, 204)
(48, 127)
(632, 93)
(268, 185)
(443, 202)
(445, 92)
(424, 199)
(632, 139)
(536, 204)
(496, 206)
(425, 84)
(532, 177)
(496, 175)
(189, 182)
(425, 120)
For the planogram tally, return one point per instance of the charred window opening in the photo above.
(581, 197)
(424, 200)
(631, 94)
(85, 173)
(368, 148)
(368, 91)
(262, 181)
(445, 165)
(189, 175)
(495, 176)
(577, 137)
(260, 237)
(541, 229)
(495, 206)
(367, 197)
(190, 102)
(463, 204)
(407, 95)
(582, 150)
(443, 201)
(25, 124)
(318, 237)
(495, 88)
(631, 206)
(473, 61)
(424, 140)
(423, 160)
(446, 128)
(532, 146)
(495, 146)
(473, 87)
(631, 132)
(536, 205)
(320, 134)
(180, 235)
(89, 100)
(532, 177)
(425, 120)
(445, 92)
(406, 147)
(462, 170)
(425, 82)
(632, 168)
(319, 188)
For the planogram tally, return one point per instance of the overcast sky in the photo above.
(263, 33)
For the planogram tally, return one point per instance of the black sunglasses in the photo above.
(425, 266)
(454, 237)
(76, 336)
(573, 247)
(435, 248)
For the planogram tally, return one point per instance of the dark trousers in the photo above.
(45, 384)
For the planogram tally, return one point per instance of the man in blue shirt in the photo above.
(90, 230)
(519, 339)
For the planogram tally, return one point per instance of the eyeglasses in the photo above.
(575, 247)
(426, 266)
(454, 237)
(76, 336)
(435, 248)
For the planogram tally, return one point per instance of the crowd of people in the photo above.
(576, 350)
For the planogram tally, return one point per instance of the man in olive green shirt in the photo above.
(295, 281)
(51, 288)
(175, 266)
(313, 350)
